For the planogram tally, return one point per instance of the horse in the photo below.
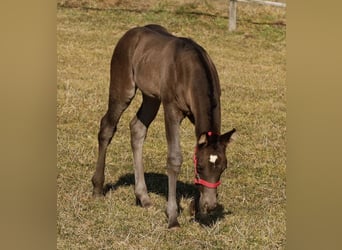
(179, 74)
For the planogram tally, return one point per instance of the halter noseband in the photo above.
(197, 179)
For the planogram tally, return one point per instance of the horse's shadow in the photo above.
(158, 184)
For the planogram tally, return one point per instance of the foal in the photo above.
(178, 73)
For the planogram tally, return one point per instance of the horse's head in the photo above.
(210, 162)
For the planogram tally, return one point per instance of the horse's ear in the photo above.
(227, 137)
(202, 139)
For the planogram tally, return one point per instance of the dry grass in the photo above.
(251, 66)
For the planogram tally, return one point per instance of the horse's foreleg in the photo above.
(174, 161)
(139, 126)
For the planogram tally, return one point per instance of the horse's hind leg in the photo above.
(120, 97)
(139, 126)
(107, 130)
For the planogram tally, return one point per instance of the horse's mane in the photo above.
(209, 69)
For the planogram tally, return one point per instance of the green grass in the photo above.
(252, 69)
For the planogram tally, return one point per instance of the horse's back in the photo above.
(142, 55)
(155, 60)
(135, 36)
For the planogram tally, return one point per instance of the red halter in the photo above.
(200, 181)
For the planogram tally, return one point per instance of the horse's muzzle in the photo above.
(208, 200)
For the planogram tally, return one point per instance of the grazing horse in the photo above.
(178, 73)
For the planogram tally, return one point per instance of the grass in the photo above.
(252, 70)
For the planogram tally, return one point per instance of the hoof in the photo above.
(98, 193)
(174, 225)
(145, 203)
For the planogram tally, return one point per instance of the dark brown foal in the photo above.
(178, 73)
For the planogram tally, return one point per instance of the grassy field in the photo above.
(252, 70)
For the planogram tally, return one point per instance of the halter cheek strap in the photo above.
(200, 181)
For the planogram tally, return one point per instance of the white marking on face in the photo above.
(213, 158)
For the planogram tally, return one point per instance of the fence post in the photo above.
(232, 15)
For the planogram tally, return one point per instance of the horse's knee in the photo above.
(138, 131)
(174, 163)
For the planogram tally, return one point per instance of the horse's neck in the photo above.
(203, 127)
(205, 97)
(207, 119)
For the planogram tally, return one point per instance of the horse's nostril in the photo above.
(212, 207)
